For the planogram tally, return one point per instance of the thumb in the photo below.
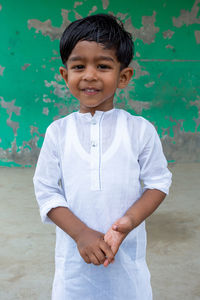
(120, 226)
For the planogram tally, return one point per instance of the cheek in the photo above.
(72, 86)
(111, 83)
(72, 82)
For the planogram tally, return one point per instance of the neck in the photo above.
(93, 110)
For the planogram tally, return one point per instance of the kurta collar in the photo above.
(98, 113)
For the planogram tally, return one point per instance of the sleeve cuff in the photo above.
(157, 187)
(158, 184)
(48, 206)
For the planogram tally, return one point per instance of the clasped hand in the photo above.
(97, 248)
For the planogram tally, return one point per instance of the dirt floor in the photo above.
(27, 246)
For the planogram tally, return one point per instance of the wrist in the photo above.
(80, 232)
(131, 221)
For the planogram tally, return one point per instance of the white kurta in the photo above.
(94, 165)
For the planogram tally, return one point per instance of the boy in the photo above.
(99, 155)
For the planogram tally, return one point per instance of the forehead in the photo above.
(92, 50)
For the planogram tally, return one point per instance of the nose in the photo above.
(90, 74)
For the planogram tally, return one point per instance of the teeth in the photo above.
(91, 90)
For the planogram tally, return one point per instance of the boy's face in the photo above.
(93, 74)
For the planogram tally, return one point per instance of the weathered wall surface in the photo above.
(165, 88)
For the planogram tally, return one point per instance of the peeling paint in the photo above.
(77, 4)
(188, 17)
(149, 84)
(10, 106)
(138, 106)
(170, 47)
(138, 72)
(168, 34)
(77, 15)
(1, 70)
(63, 110)
(197, 36)
(197, 120)
(28, 152)
(44, 96)
(54, 58)
(58, 77)
(121, 16)
(147, 32)
(182, 146)
(46, 27)
(59, 89)
(34, 129)
(0, 7)
(165, 87)
(196, 103)
(10, 109)
(55, 52)
(105, 4)
(94, 8)
(46, 100)
(25, 66)
(169, 60)
(45, 111)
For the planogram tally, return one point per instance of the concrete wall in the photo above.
(165, 88)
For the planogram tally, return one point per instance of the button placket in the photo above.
(95, 155)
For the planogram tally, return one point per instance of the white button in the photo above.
(93, 144)
(94, 122)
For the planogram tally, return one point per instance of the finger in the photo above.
(120, 228)
(94, 260)
(86, 259)
(108, 236)
(107, 250)
(106, 263)
(115, 227)
(124, 224)
(100, 256)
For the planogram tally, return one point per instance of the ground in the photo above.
(27, 246)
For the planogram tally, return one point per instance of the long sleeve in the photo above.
(47, 178)
(153, 165)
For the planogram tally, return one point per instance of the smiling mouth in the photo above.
(90, 91)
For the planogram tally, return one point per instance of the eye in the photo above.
(78, 67)
(103, 66)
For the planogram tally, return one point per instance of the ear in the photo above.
(64, 74)
(124, 77)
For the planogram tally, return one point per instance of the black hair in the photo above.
(101, 28)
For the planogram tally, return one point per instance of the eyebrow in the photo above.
(75, 58)
(102, 57)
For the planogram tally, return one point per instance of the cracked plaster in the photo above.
(188, 17)
(180, 147)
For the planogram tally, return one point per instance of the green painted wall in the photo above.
(165, 88)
